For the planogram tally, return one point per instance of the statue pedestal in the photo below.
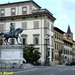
(11, 54)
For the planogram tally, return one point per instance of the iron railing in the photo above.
(41, 11)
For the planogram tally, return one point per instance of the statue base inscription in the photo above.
(11, 54)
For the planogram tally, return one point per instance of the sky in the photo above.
(62, 10)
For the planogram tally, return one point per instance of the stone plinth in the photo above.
(12, 53)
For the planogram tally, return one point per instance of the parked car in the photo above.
(70, 64)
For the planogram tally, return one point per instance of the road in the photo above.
(45, 70)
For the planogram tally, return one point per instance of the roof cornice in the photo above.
(19, 3)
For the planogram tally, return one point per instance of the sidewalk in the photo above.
(58, 65)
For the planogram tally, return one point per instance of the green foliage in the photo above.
(30, 54)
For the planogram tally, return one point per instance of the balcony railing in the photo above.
(41, 11)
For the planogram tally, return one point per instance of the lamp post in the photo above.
(60, 52)
(47, 53)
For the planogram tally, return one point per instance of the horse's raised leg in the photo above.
(17, 40)
(5, 41)
(8, 42)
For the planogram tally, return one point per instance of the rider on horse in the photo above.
(12, 28)
(14, 33)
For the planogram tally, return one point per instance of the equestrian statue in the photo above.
(13, 33)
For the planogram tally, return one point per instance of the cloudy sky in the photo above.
(63, 11)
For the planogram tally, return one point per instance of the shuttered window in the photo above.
(24, 25)
(2, 12)
(24, 10)
(36, 24)
(52, 28)
(47, 24)
(36, 40)
(13, 11)
(1, 27)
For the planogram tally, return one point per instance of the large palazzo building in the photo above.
(36, 22)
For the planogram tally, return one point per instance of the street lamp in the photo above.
(60, 52)
(47, 52)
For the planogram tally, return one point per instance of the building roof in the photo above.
(19, 3)
(44, 12)
(59, 30)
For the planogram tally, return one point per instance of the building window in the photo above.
(59, 46)
(24, 10)
(71, 53)
(36, 40)
(47, 24)
(12, 41)
(52, 55)
(64, 51)
(62, 46)
(61, 37)
(2, 12)
(68, 52)
(58, 36)
(55, 45)
(56, 57)
(1, 27)
(52, 28)
(13, 10)
(24, 25)
(36, 49)
(55, 34)
(1, 42)
(36, 24)
(24, 41)
(48, 41)
(52, 39)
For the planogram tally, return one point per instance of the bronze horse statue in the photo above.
(15, 34)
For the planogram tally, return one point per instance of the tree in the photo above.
(30, 54)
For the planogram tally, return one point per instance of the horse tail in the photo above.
(1, 33)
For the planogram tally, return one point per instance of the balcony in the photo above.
(41, 11)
